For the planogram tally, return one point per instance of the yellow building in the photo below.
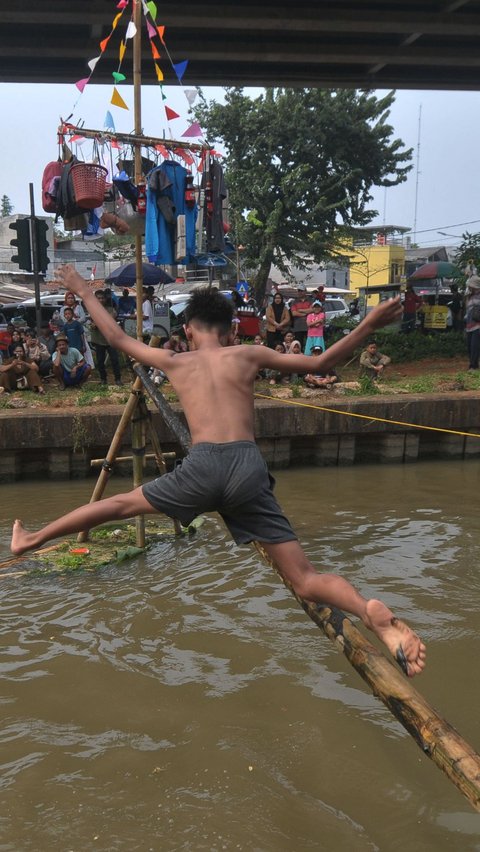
(376, 258)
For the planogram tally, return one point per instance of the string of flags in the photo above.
(156, 35)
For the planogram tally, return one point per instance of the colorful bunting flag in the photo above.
(103, 44)
(152, 9)
(109, 123)
(116, 20)
(151, 30)
(131, 30)
(92, 63)
(159, 73)
(185, 155)
(171, 114)
(193, 130)
(164, 97)
(115, 144)
(80, 84)
(118, 76)
(122, 4)
(117, 99)
(191, 95)
(162, 150)
(155, 52)
(161, 33)
(180, 69)
(121, 50)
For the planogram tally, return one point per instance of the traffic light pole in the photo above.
(35, 270)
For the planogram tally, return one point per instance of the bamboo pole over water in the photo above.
(433, 734)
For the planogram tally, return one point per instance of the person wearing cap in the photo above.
(69, 366)
(300, 307)
(472, 320)
(315, 326)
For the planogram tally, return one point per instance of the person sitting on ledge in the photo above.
(19, 373)
(372, 362)
(69, 366)
(224, 470)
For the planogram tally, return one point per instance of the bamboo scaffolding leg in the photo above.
(159, 455)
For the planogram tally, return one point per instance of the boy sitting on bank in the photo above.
(224, 470)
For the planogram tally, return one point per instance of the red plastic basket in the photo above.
(89, 181)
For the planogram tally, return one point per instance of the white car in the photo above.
(335, 307)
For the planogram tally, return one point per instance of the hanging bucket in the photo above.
(89, 182)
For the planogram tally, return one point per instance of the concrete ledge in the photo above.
(60, 445)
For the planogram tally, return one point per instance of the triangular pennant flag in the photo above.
(161, 33)
(185, 155)
(118, 76)
(191, 95)
(131, 30)
(171, 114)
(115, 144)
(122, 4)
(152, 9)
(109, 123)
(117, 99)
(162, 150)
(155, 52)
(116, 20)
(103, 44)
(193, 130)
(151, 30)
(121, 50)
(180, 68)
(159, 73)
(80, 84)
(92, 62)
(164, 97)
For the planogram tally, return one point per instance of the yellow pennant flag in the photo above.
(117, 99)
(116, 20)
(159, 73)
(121, 50)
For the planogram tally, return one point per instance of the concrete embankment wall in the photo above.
(60, 445)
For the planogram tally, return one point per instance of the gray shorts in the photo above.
(231, 479)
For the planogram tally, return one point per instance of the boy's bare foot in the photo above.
(407, 648)
(21, 539)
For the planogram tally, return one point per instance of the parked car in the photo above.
(334, 308)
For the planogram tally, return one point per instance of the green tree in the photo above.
(300, 164)
(467, 253)
(6, 206)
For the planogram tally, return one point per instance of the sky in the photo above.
(442, 192)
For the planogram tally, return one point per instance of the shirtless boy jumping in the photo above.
(224, 470)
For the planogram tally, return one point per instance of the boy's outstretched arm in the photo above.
(383, 314)
(66, 276)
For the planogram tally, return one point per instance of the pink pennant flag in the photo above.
(151, 30)
(80, 84)
(171, 114)
(193, 130)
(115, 144)
(122, 4)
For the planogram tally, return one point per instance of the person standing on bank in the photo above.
(300, 308)
(278, 320)
(472, 320)
(102, 346)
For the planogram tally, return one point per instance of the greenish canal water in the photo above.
(184, 701)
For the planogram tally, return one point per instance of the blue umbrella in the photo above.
(126, 276)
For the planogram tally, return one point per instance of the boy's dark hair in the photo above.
(210, 308)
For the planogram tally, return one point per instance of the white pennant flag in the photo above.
(191, 95)
(92, 63)
(131, 30)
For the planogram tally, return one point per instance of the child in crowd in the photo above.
(315, 326)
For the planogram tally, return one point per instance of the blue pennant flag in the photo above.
(109, 123)
(180, 68)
